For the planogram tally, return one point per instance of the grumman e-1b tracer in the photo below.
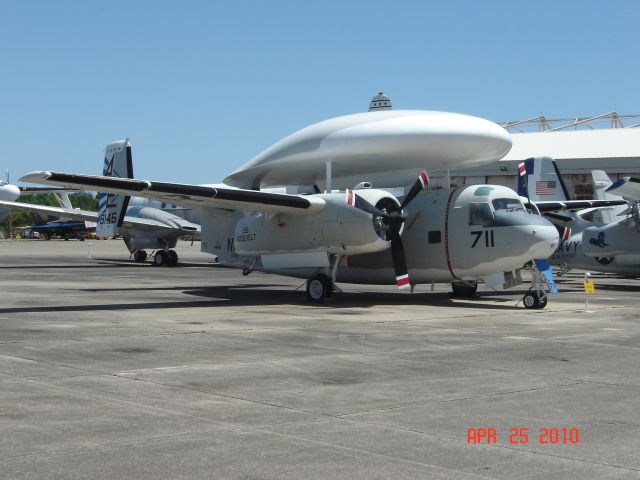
(361, 234)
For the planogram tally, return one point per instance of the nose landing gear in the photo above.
(535, 299)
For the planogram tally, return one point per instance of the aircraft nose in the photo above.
(545, 240)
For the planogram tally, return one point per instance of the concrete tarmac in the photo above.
(116, 370)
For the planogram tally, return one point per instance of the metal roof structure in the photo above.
(543, 124)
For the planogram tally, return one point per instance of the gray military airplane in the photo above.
(549, 193)
(364, 234)
(141, 224)
(618, 239)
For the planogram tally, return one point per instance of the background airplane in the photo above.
(65, 229)
(621, 237)
(543, 175)
(141, 225)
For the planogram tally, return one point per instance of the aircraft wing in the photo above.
(57, 211)
(184, 194)
(86, 215)
(40, 190)
(555, 206)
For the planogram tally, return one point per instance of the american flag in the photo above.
(545, 187)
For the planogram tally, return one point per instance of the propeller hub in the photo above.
(391, 224)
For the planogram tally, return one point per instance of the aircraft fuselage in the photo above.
(465, 233)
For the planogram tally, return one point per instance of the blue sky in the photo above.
(200, 87)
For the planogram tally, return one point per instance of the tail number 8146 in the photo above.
(488, 238)
(107, 218)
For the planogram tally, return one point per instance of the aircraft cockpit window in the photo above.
(480, 214)
(509, 204)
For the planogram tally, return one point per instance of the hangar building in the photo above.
(608, 142)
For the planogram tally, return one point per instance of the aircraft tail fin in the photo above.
(524, 170)
(601, 182)
(118, 162)
(541, 180)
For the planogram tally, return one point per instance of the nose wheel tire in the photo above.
(534, 300)
(318, 288)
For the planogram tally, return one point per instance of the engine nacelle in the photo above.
(338, 228)
(162, 216)
(141, 243)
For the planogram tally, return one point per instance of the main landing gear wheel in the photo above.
(139, 256)
(172, 258)
(160, 258)
(318, 288)
(534, 299)
(464, 289)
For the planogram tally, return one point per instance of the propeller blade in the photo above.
(395, 221)
(399, 262)
(421, 183)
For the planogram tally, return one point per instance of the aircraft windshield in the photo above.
(480, 214)
(509, 204)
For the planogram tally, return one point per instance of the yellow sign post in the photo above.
(589, 289)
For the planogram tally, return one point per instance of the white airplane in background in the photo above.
(364, 234)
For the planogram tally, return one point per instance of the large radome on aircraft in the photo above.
(367, 143)
(362, 234)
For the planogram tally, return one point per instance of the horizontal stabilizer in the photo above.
(627, 187)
